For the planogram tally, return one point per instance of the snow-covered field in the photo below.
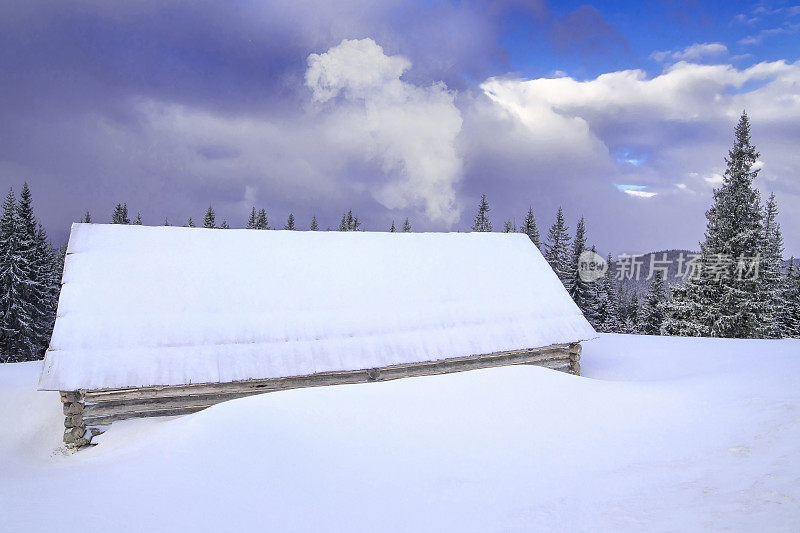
(659, 434)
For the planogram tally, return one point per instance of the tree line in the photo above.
(742, 287)
(719, 301)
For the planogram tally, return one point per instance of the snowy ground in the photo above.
(659, 433)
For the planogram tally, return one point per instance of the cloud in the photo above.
(682, 120)
(411, 130)
(695, 52)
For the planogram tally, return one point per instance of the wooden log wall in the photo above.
(88, 413)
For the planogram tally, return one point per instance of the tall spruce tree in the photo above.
(314, 226)
(210, 218)
(652, 313)
(120, 215)
(392, 229)
(607, 308)
(261, 219)
(190, 223)
(290, 223)
(482, 222)
(49, 274)
(36, 249)
(725, 300)
(789, 315)
(251, 222)
(138, 221)
(772, 275)
(349, 222)
(509, 226)
(529, 228)
(557, 248)
(17, 315)
(578, 289)
(406, 226)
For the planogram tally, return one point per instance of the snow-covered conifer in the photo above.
(772, 276)
(251, 222)
(392, 228)
(261, 219)
(16, 313)
(210, 218)
(290, 223)
(406, 226)
(138, 221)
(120, 215)
(652, 313)
(314, 226)
(529, 228)
(509, 226)
(482, 222)
(557, 248)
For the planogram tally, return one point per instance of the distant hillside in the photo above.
(676, 268)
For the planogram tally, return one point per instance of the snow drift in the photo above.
(147, 306)
(661, 434)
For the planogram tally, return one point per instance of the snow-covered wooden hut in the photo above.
(156, 321)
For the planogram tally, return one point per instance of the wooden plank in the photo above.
(98, 421)
(104, 407)
(333, 378)
(179, 400)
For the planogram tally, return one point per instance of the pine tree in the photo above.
(771, 276)
(190, 223)
(557, 248)
(724, 301)
(529, 228)
(406, 226)
(49, 274)
(509, 226)
(87, 218)
(632, 318)
(138, 221)
(349, 222)
(652, 313)
(607, 309)
(578, 289)
(789, 315)
(166, 221)
(210, 218)
(251, 222)
(314, 226)
(33, 292)
(120, 215)
(261, 219)
(16, 314)
(482, 222)
(392, 228)
(290, 223)
(224, 224)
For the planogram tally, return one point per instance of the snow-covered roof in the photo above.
(147, 306)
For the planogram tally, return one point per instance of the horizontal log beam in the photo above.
(459, 364)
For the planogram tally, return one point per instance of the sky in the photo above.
(621, 112)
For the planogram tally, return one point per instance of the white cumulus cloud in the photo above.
(410, 130)
(694, 52)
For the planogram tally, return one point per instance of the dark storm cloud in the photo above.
(76, 76)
